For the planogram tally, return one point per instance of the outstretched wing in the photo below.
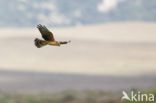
(39, 43)
(46, 34)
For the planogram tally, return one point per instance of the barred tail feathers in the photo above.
(39, 43)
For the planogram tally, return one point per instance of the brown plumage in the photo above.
(48, 38)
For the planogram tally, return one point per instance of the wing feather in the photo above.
(40, 43)
(46, 34)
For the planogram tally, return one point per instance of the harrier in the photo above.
(48, 38)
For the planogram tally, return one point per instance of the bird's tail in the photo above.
(39, 43)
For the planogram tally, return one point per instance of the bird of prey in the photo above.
(48, 38)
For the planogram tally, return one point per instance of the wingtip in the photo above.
(39, 25)
(37, 43)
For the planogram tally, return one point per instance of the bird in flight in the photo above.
(48, 38)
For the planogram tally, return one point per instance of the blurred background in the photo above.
(113, 48)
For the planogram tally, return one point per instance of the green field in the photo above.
(67, 97)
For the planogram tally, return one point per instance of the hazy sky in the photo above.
(108, 5)
(97, 49)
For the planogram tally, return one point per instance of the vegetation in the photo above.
(61, 97)
(66, 97)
